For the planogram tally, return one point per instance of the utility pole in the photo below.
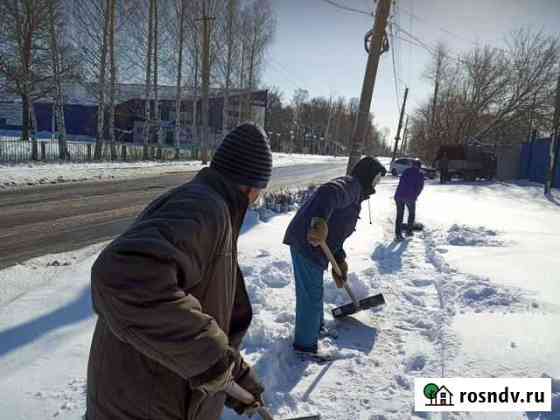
(376, 48)
(206, 29)
(398, 136)
(405, 137)
(436, 90)
(554, 143)
(439, 63)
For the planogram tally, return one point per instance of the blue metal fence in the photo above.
(535, 160)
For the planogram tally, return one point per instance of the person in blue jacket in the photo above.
(335, 208)
(410, 186)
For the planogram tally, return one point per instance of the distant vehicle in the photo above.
(398, 166)
(468, 162)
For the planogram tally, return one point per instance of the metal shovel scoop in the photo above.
(355, 306)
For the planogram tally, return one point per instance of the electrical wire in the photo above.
(410, 51)
(348, 8)
(413, 15)
(395, 77)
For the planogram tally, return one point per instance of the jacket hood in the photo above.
(365, 171)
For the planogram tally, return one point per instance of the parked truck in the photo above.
(469, 162)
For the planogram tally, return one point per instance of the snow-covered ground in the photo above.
(36, 173)
(475, 294)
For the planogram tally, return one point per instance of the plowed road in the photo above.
(59, 218)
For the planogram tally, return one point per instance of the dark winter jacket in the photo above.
(339, 202)
(172, 307)
(411, 184)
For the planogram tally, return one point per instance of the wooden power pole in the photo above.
(375, 51)
(404, 144)
(554, 143)
(398, 136)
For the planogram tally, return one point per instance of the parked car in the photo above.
(398, 166)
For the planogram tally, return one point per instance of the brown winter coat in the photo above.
(172, 304)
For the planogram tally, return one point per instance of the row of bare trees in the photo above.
(491, 95)
(35, 57)
(194, 45)
(317, 124)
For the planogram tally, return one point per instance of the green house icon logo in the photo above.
(439, 396)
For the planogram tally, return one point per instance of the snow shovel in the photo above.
(355, 306)
(241, 394)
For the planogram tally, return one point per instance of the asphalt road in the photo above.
(64, 217)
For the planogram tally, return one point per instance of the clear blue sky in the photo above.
(320, 48)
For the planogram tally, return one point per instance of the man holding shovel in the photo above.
(328, 216)
(171, 300)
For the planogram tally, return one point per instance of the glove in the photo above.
(344, 268)
(318, 231)
(250, 383)
(218, 377)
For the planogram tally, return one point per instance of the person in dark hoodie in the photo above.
(410, 186)
(335, 208)
(171, 300)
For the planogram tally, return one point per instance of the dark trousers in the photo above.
(411, 207)
(443, 175)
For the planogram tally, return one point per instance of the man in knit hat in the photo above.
(171, 300)
(334, 209)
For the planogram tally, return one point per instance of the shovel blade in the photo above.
(317, 417)
(367, 303)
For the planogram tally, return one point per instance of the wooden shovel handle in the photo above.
(336, 268)
(332, 260)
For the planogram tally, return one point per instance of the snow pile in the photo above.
(462, 235)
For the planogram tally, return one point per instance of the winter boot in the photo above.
(313, 355)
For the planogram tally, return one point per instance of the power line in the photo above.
(348, 8)
(411, 25)
(294, 83)
(395, 77)
(442, 29)
(398, 48)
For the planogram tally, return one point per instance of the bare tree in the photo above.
(155, 52)
(24, 56)
(147, 96)
(259, 26)
(228, 61)
(181, 11)
(489, 94)
(101, 83)
(55, 21)
(113, 77)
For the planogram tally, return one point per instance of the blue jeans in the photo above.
(309, 302)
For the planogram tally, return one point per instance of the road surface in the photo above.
(64, 217)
